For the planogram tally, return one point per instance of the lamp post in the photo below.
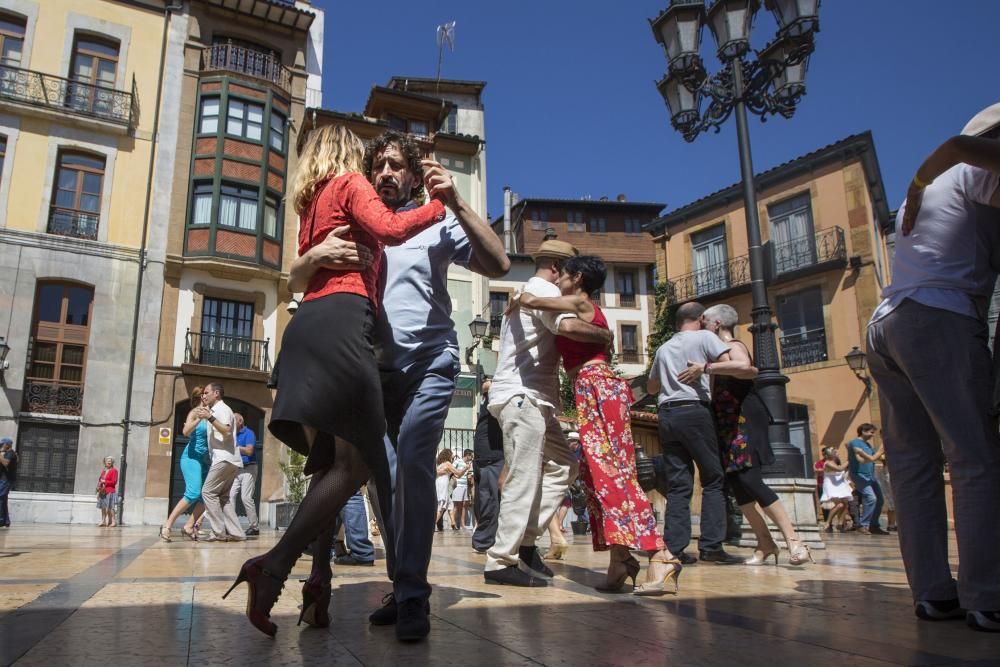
(768, 82)
(478, 328)
(857, 362)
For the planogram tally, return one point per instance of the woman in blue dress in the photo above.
(194, 468)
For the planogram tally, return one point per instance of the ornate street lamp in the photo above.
(478, 328)
(857, 362)
(767, 82)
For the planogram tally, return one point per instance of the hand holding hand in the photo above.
(692, 374)
(334, 252)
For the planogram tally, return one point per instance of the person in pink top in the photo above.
(621, 517)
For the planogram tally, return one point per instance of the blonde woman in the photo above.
(330, 409)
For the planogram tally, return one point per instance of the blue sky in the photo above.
(571, 109)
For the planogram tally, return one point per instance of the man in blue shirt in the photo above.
(246, 481)
(417, 350)
(8, 473)
(861, 457)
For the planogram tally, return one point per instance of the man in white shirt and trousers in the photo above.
(226, 464)
(927, 351)
(524, 398)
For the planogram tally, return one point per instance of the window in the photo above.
(418, 127)
(626, 289)
(94, 67)
(271, 217)
(792, 240)
(709, 259)
(201, 204)
(498, 304)
(574, 221)
(277, 131)
(803, 331)
(630, 344)
(226, 331)
(57, 359)
(396, 123)
(209, 115)
(539, 220)
(238, 208)
(451, 124)
(47, 457)
(633, 226)
(244, 119)
(11, 40)
(76, 201)
(597, 226)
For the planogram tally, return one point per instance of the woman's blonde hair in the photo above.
(330, 151)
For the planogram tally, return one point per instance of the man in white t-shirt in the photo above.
(927, 350)
(524, 398)
(226, 464)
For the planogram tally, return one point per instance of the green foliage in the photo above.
(294, 478)
(663, 325)
(566, 394)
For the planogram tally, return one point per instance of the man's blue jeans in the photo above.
(871, 501)
(356, 529)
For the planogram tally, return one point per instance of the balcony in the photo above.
(52, 397)
(713, 279)
(69, 222)
(804, 348)
(247, 62)
(826, 247)
(65, 96)
(626, 300)
(238, 352)
(630, 357)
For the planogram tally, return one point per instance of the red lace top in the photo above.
(575, 353)
(109, 480)
(351, 200)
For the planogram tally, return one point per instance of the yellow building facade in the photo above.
(820, 217)
(78, 91)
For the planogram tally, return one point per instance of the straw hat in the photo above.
(555, 248)
(983, 122)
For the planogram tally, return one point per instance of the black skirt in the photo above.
(329, 381)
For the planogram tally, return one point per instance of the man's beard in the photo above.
(394, 197)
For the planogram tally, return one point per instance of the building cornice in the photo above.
(68, 244)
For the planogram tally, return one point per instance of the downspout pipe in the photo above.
(127, 419)
(508, 236)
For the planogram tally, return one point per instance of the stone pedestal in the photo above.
(798, 495)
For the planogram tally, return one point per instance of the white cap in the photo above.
(572, 435)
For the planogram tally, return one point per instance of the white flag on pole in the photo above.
(446, 34)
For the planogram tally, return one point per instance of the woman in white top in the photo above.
(442, 486)
(460, 496)
(836, 488)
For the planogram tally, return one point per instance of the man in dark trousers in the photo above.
(8, 473)
(486, 468)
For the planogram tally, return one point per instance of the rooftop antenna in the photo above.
(445, 34)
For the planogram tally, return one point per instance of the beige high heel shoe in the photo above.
(557, 551)
(765, 554)
(800, 555)
(660, 587)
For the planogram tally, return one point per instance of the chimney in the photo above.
(508, 237)
(621, 197)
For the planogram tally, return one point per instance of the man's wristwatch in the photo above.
(211, 419)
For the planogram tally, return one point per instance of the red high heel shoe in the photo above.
(259, 580)
(315, 603)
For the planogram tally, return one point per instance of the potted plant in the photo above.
(295, 489)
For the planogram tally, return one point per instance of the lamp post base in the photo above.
(798, 495)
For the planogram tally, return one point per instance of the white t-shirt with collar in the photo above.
(223, 447)
(529, 361)
(951, 258)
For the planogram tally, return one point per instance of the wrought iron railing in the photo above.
(241, 60)
(52, 397)
(626, 300)
(823, 246)
(630, 357)
(214, 349)
(457, 440)
(69, 222)
(69, 96)
(710, 280)
(804, 348)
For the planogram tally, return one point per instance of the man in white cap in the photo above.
(927, 350)
(524, 397)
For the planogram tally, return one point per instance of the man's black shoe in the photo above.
(532, 560)
(878, 531)
(413, 623)
(387, 613)
(720, 557)
(938, 610)
(512, 576)
(252, 532)
(686, 559)
(351, 560)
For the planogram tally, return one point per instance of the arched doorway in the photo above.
(254, 418)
